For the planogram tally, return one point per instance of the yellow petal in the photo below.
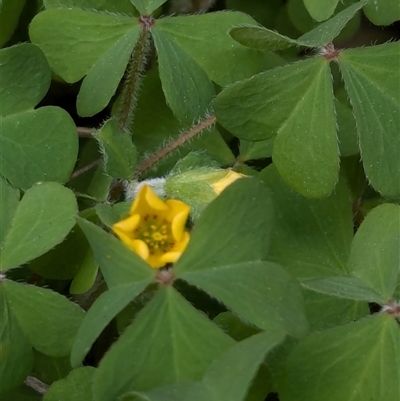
(127, 226)
(141, 248)
(177, 215)
(155, 261)
(176, 251)
(230, 177)
(147, 202)
(170, 257)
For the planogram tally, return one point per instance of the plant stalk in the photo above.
(133, 78)
(176, 143)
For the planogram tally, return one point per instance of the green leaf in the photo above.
(260, 292)
(345, 287)
(296, 101)
(76, 387)
(307, 159)
(217, 382)
(187, 89)
(102, 80)
(42, 220)
(45, 139)
(86, 276)
(320, 10)
(9, 201)
(234, 228)
(251, 353)
(296, 14)
(323, 227)
(16, 358)
(326, 311)
(25, 79)
(119, 153)
(64, 261)
(231, 324)
(357, 361)
(168, 342)
(370, 75)
(327, 31)
(255, 150)
(205, 38)
(59, 318)
(22, 393)
(375, 256)
(224, 259)
(111, 214)
(119, 264)
(73, 39)
(10, 11)
(260, 38)
(104, 309)
(146, 7)
(112, 6)
(382, 12)
(49, 369)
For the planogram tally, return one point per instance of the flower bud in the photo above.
(199, 187)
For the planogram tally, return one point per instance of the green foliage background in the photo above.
(290, 287)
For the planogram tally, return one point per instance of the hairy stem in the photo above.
(134, 75)
(176, 143)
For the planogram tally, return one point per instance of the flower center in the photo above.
(155, 232)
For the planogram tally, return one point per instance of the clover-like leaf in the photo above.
(345, 287)
(327, 31)
(375, 256)
(59, 318)
(82, 37)
(368, 74)
(357, 361)
(104, 309)
(296, 102)
(37, 144)
(324, 227)
(188, 90)
(224, 258)
(168, 342)
(118, 263)
(382, 12)
(103, 78)
(205, 38)
(217, 383)
(42, 220)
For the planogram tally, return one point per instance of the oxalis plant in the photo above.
(199, 205)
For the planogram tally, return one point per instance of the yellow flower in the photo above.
(227, 180)
(155, 229)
